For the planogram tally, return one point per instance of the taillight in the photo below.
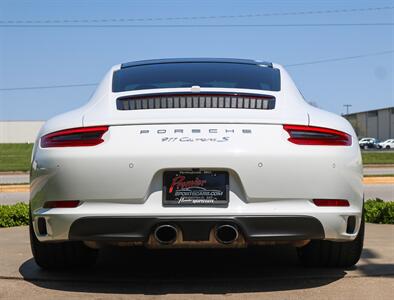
(75, 137)
(311, 135)
(331, 202)
(62, 204)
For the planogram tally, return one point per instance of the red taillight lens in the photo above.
(75, 137)
(330, 202)
(310, 135)
(61, 204)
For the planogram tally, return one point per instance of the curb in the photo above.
(14, 173)
(14, 188)
(378, 180)
(384, 166)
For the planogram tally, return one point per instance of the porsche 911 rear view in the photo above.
(196, 153)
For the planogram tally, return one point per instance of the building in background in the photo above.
(19, 131)
(378, 123)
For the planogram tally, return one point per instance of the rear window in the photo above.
(211, 74)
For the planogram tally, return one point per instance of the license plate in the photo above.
(195, 188)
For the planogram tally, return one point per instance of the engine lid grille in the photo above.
(180, 101)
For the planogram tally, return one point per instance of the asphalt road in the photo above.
(382, 191)
(12, 198)
(6, 178)
(265, 273)
(378, 171)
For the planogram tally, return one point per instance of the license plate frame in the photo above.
(202, 188)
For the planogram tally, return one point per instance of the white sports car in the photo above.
(202, 153)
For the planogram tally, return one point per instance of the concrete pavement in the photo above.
(265, 273)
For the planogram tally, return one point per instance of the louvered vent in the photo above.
(195, 101)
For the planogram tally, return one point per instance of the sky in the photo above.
(69, 55)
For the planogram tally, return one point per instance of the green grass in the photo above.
(15, 157)
(379, 175)
(378, 157)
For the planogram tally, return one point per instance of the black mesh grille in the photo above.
(195, 101)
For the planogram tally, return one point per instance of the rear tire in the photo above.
(61, 255)
(320, 253)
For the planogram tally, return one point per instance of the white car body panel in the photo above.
(123, 175)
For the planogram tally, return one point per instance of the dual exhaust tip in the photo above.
(226, 234)
(167, 234)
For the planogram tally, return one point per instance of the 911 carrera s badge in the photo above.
(195, 188)
(198, 135)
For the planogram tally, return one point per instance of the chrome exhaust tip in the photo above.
(166, 234)
(226, 234)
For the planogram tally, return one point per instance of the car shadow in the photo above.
(186, 271)
(372, 264)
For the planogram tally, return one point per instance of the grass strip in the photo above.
(15, 157)
(378, 157)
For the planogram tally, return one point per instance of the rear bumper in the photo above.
(287, 219)
(253, 228)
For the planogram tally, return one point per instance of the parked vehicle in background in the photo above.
(387, 144)
(368, 143)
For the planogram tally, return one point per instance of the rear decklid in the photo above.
(185, 105)
(196, 91)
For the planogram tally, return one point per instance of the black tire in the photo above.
(61, 255)
(387, 147)
(320, 253)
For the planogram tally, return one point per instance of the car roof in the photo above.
(195, 60)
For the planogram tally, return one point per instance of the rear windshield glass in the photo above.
(177, 75)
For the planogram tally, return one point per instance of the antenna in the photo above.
(347, 108)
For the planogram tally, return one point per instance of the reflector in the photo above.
(331, 202)
(61, 204)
